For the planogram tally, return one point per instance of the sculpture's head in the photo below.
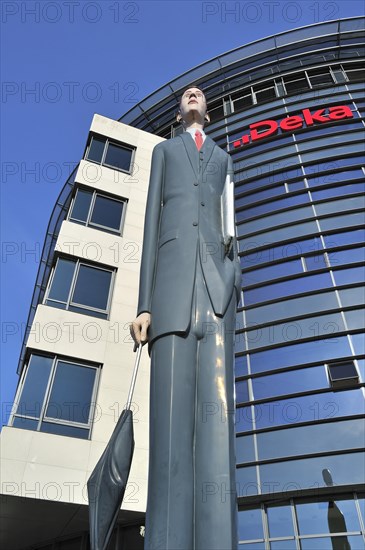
(193, 107)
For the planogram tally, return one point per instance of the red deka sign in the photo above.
(266, 128)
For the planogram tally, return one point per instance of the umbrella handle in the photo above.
(134, 377)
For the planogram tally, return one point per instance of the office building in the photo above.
(289, 109)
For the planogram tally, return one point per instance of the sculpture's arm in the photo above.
(140, 325)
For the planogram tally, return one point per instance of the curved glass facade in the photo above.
(290, 111)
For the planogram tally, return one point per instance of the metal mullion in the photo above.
(50, 282)
(295, 523)
(106, 145)
(18, 393)
(91, 208)
(358, 509)
(93, 398)
(291, 458)
(73, 283)
(47, 392)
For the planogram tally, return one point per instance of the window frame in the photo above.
(88, 223)
(69, 302)
(87, 426)
(107, 142)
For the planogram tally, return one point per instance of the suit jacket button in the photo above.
(195, 224)
(202, 203)
(195, 183)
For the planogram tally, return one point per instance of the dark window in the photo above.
(95, 209)
(320, 77)
(355, 72)
(265, 94)
(115, 155)
(343, 374)
(296, 83)
(80, 287)
(56, 396)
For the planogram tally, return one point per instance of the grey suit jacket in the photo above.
(183, 217)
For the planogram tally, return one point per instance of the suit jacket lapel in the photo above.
(191, 151)
(207, 148)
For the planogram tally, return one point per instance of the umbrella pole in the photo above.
(134, 377)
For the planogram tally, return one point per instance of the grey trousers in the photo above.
(191, 488)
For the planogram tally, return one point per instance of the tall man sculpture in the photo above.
(189, 289)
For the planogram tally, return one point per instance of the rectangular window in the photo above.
(108, 153)
(80, 287)
(342, 375)
(97, 210)
(57, 396)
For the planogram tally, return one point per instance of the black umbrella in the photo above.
(107, 483)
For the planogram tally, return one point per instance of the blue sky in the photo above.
(64, 61)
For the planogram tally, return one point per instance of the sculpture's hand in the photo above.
(139, 328)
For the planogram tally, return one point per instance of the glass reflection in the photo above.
(280, 521)
(346, 469)
(250, 524)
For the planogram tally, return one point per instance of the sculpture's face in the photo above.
(193, 105)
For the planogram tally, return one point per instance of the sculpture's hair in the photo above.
(192, 86)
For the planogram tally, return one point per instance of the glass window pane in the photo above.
(346, 469)
(280, 521)
(81, 206)
(316, 261)
(347, 237)
(71, 393)
(34, 389)
(325, 543)
(92, 287)
(307, 352)
(62, 278)
(62, 429)
(291, 308)
(352, 296)
(295, 286)
(300, 329)
(246, 481)
(280, 252)
(339, 222)
(327, 517)
(272, 272)
(303, 409)
(245, 451)
(353, 255)
(107, 212)
(334, 177)
(277, 219)
(242, 391)
(250, 524)
(350, 275)
(252, 546)
(118, 157)
(341, 205)
(96, 149)
(346, 434)
(241, 365)
(337, 191)
(358, 341)
(25, 423)
(290, 382)
(283, 545)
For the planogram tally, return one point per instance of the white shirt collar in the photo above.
(192, 131)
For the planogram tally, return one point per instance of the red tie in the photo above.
(198, 139)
